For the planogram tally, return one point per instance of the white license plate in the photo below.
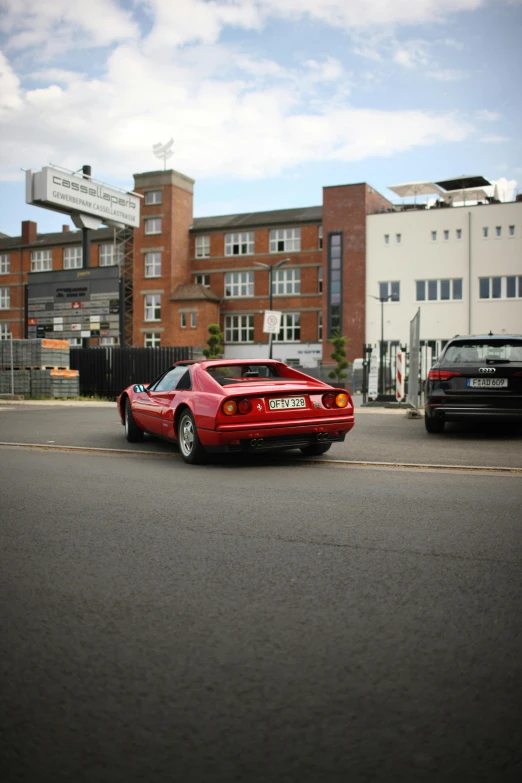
(487, 383)
(284, 403)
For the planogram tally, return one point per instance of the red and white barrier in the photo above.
(400, 370)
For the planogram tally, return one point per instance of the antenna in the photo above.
(163, 151)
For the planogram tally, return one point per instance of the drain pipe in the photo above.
(469, 273)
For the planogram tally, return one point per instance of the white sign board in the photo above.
(62, 192)
(373, 378)
(272, 321)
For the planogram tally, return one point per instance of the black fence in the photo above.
(107, 370)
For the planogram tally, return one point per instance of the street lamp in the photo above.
(382, 300)
(271, 268)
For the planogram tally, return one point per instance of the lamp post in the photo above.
(271, 268)
(382, 300)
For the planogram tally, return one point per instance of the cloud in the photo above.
(55, 26)
(494, 139)
(234, 127)
(448, 74)
(487, 116)
(506, 188)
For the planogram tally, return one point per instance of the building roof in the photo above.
(193, 291)
(3, 236)
(57, 238)
(254, 219)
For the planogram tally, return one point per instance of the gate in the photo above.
(106, 370)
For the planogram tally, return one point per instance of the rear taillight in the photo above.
(329, 400)
(442, 375)
(518, 375)
(244, 406)
(231, 407)
(341, 400)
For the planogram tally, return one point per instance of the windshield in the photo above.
(244, 373)
(470, 351)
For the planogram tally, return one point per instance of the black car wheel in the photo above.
(132, 432)
(190, 446)
(433, 426)
(316, 449)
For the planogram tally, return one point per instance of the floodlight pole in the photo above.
(382, 300)
(271, 268)
(86, 248)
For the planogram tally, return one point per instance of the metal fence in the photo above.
(105, 371)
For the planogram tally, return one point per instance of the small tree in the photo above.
(339, 343)
(215, 343)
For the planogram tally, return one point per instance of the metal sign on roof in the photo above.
(58, 190)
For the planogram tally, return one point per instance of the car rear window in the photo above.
(470, 351)
(243, 373)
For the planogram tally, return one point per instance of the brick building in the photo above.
(188, 272)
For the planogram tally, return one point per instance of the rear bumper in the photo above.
(269, 438)
(468, 412)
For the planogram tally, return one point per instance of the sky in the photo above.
(267, 100)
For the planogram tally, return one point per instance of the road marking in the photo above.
(291, 460)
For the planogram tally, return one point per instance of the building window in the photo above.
(285, 240)
(335, 302)
(390, 289)
(183, 320)
(485, 232)
(512, 231)
(239, 329)
(152, 339)
(239, 284)
(74, 342)
(5, 298)
(203, 280)
(153, 226)
(5, 263)
(202, 247)
(446, 235)
(386, 239)
(498, 231)
(110, 255)
(4, 331)
(72, 258)
(458, 232)
(193, 320)
(398, 238)
(290, 328)
(286, 282)
(239, 244)
(433, 236)
(41, 261)
(320, 279)
(320, 325)
(153, 307)
(152, 264)
(500, 287)
(108, 341)
(445, 290)
(320, 237)
(153, 197)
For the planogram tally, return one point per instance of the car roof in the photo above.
(486, 337)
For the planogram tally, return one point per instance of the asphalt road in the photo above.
(256, 622)
(376, 437)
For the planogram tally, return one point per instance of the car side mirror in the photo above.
(139, 387)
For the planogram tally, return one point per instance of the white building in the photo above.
(461, 265)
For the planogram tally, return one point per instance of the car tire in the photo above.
(132, 432)
(433, 426)
(190, 446)
(316, 449)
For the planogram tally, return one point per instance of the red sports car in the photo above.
(233, 405)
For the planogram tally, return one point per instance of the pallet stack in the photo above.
(41, 368)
